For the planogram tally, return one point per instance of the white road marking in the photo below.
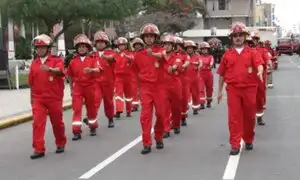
(232, 165)
(112, 158)
(295, 64)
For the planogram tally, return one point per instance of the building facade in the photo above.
(222, 13)
(264, 14)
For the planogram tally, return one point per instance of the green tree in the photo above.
(51, 12)
(169, 15)
(23, 49)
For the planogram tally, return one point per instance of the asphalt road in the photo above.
(199, 152)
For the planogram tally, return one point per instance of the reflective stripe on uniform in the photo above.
(119, 98)
(77, 123)
(195, 106)
(135, 102)
(128, 99)
(259, 114)
(92, 121)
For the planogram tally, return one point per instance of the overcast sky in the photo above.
(287, 11)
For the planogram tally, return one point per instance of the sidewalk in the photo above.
(17, 102)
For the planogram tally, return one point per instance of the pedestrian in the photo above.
(151, 86)
(194, 76)
(206, 72)
(172, 68)
(185, 85)
(274, 63)
(123, 75)
(241, 67)
(82, 71)
(262, 87)
(46, 81)
(105, 81)
(138, 45)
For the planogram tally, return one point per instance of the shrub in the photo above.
(23, 49)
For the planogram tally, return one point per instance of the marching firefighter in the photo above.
(138, 45)
(82, 72)
(172, 68)
(152, 90)
(274, 63)
(249, 41)
(240, 69)
(261, 91)
(123, 77)
(46, 81)
(184, 80)
(194, 76)
(106, 80)
(206, 71)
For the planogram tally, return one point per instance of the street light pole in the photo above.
(1, 34)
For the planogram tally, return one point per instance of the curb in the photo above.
(25, 118)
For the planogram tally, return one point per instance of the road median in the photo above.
(16, 120)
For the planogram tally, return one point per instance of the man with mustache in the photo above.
(241, 68)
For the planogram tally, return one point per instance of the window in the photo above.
(222, 4)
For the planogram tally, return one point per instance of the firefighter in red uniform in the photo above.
(262, 89)
(46, 81)
(82, 72)
(193, 75)
(240, 68)
(151, 88)
(184, 80)
(206, 72)
(106, 80)
(138, 45)
(172, 69)
(274, 63)
(123, 77)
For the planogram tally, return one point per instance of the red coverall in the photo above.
(262, 89)
(207, 76)
(123, 82)
(151, 95)
(135, 88)
(185, 84)
(240, 74)
(83, 88)
(173, 92)
(105, 84)
(194, 81)
(273, 54)
(47, 91)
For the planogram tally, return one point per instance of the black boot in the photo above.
(60, 150)
(37, 155)
(202, 106)
(159, 145)
(177, 130)
(76, 136)
(146, 150)
(111, 123)
(208, 105)
(234, 151)
(166, 135)
(183, 122)
(93, 132)
(249, 146)
(135, 109)
(128, 115)
(85, 121)
(260, 121)
(118, 114)
(195, 111)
